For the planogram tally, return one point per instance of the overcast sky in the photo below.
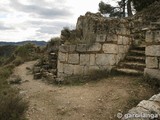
(40, 19)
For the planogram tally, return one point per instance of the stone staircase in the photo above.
(134, 62)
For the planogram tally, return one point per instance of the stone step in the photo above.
(128, 71)
(132, 65)
(135, 59)
(141, 48)
(136, 53)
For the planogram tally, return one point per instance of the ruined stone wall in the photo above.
(80, 59)
(104, 42)
(153, 53)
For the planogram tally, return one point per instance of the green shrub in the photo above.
(18, 61)
(12, 106)
(5, 72)
(25, 51)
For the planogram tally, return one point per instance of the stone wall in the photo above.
(153, 53)
(103, 54)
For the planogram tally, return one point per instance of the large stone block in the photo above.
(73, 58)
(84, 59)
(78, 70)
(157, 36)
(153, 73)
(105, 67)
(64, 48)
(92, 68)
(61, 75)
(120, 40)
(153, 50)
(72, 48)
(62, 57)
(81, 48)
(121, 49)
(95, 47)
(110, 48)
(105, 59)
(101, 38)
(60, 67)
(126, 40)
(68, 69)
(153, 36)
(120, 57)
(86, 70)
(151, 62)
(92, 59)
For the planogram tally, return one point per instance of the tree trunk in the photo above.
(129, 8)
(124, 4)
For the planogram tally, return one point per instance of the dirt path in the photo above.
(93, 101)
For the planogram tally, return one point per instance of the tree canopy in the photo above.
(124, 7)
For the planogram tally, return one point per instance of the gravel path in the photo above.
(93, 101)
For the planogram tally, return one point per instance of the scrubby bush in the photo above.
(18, 61)
(25, 51)
(12, 106)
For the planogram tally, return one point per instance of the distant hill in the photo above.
(38, 43)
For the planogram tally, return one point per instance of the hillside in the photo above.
(38, 43)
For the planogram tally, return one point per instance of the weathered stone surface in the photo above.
(62, 57)
(68, 69)
(153, 50)
(153, 36)
(61, 75)
(92, 59)
(124, 31)
(105, 67)
(157, 36)
(136, 111)
(64, 48)
(151, 62)
(73, 58)
(121, 56)
(121, 49)
(72, 48)
(81, 48)
(85, 70)
(36, 69)
(153, 73)
(105, 59)
(84, 59)
(155, 98)
(110, 48)
(60, 67)
(120, 40)
(126, 40)
(101, 38)
(78, 70)
(149, 36)
(150, 105)
(95, 47)
(93, 68)
(112, 37)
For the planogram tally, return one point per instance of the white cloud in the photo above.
(40, 19)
